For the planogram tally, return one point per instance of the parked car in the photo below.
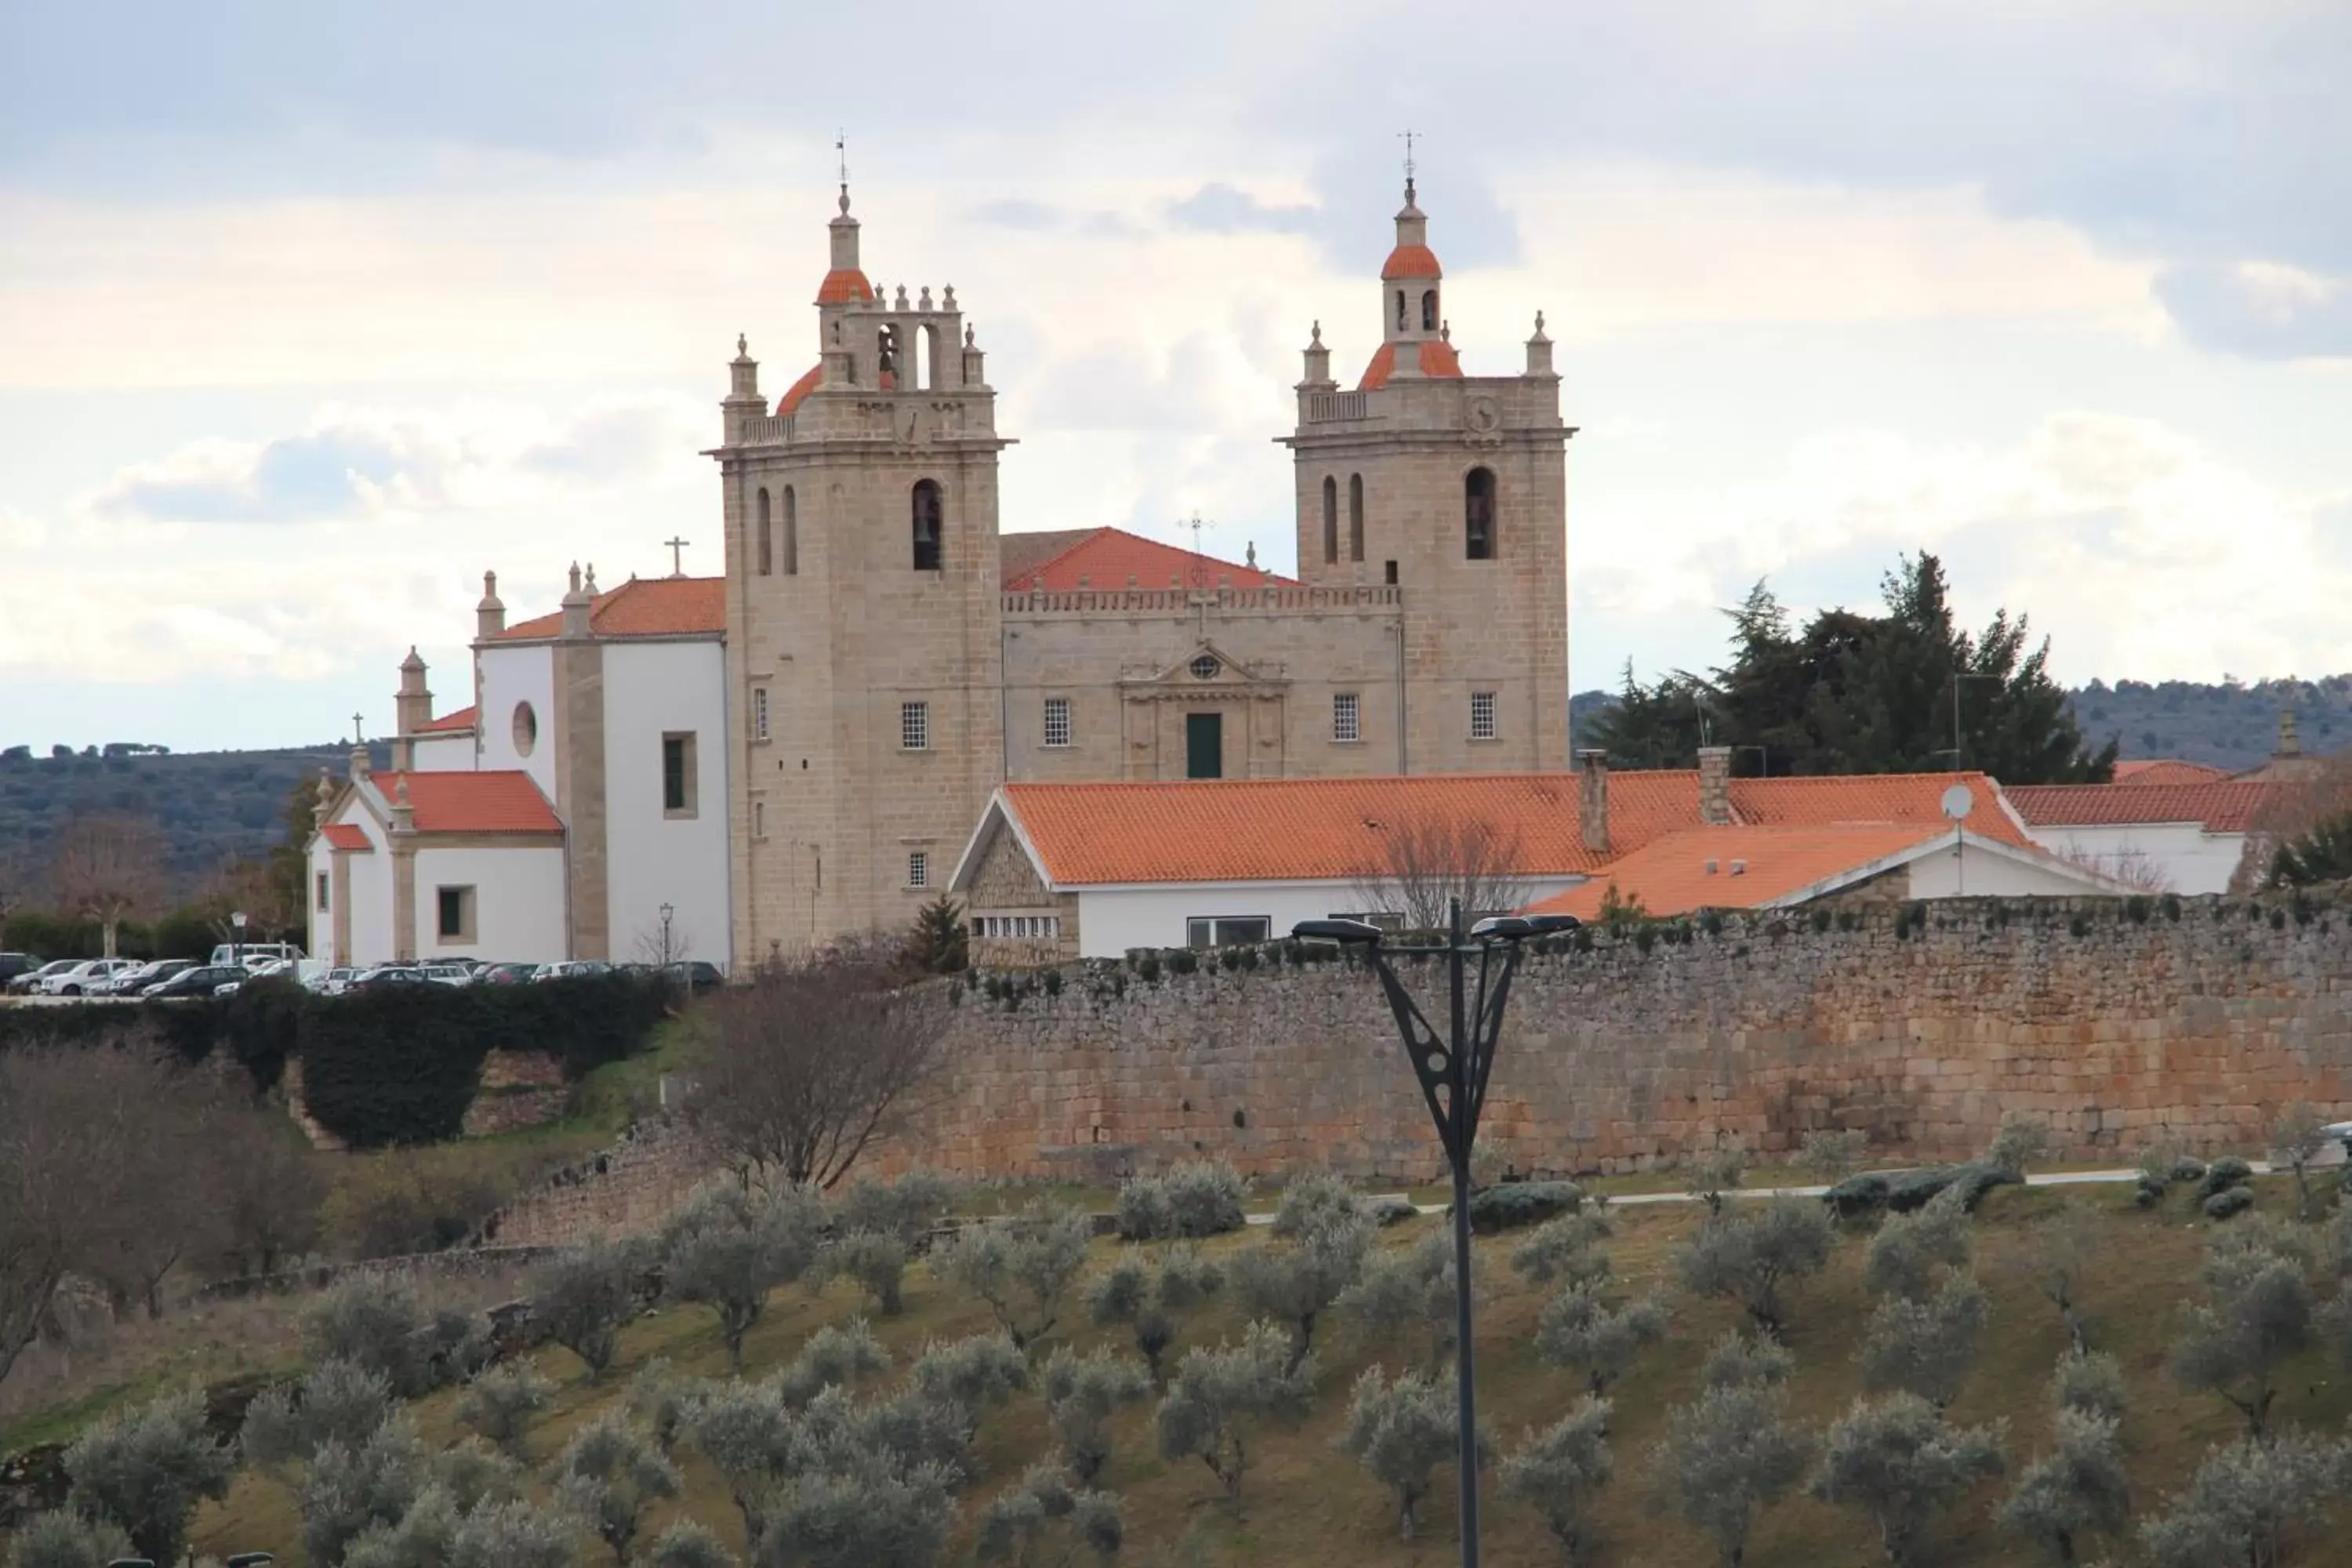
(386, 975)
(573, 969)
(135, 980)
(12, 964)
(693, 975)
(331, 982)
(506, 973)
(250, 952)
(29, 984)
(449, 973)
(204, 980)
(79, 980)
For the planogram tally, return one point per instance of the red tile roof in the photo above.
(1861, 800)
(2227, 806)
(643, 607)
(2168, 771)
(346, 835)
(799, 390)
(1693, 869)
(463, 719)
(1410, 262)
(1108, 557)
(1434, 357)
(501, 801)
(842, 285)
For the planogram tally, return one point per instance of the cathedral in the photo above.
(753, 765)
(891, 658)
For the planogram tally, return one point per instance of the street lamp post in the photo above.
(236, 943)
(668, 911)
(1453, 1072)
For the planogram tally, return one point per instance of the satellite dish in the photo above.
(1958, 803)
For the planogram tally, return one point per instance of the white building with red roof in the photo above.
(2171, 837)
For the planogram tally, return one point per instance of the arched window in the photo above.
(926, 525)
(791, 534)
(1400, 316)
(1355, 517)
(1478, 515)
(1429, 311)
(760, 546)
(1330, 520)
(886, 359)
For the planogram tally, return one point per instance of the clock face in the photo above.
(1482, 415)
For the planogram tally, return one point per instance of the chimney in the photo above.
(1592, 798)
(1714, 786)
(490, 615)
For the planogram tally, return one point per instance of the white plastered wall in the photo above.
(525, 673)
(2189, 860)
(1982, 874)
(518, 902)
(1113, 919)
(451, 753)
(653, 689)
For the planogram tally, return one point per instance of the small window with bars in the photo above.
(1345, 721)
(919, 868)
(759, 712)
(915, 726)
(1482, 715)
(1057, 721)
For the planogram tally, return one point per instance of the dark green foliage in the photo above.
(1512, 1204)
(2229, 1203)
(1915, 1189)
(940, 943)
(2149, 1192)
(2223, 1173)
(1194, 1199)
(146, 1470)
(2321, 854)
(1857, 1198)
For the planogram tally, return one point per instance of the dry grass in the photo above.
(1309, 1507)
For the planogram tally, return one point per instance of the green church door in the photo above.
(1204, 745)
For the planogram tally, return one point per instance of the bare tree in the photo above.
(2133, 867)
(798, 1072)
(16, 878)
(1421, 865)
(108, 867)
(663, 942)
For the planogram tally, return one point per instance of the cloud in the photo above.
(1015, 213)
(1219, 209)
(359, 463)
(2260, 311)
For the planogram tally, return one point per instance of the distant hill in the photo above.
(2230, 725)
(213, 806)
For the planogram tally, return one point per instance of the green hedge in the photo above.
(394, 1066)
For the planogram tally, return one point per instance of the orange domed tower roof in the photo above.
(845, 282)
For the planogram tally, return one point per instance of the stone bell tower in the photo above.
(1451, 490)
(863, 613)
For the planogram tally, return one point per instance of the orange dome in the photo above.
(842, 285)
(1436, 358)
(1410, 262)
(798, 390)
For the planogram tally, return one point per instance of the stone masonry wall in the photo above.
(2112, 1019)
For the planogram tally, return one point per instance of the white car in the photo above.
(449, 973)
(331, 982)
(83, 978)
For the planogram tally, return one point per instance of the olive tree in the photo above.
(502, 1403)
(750, 1436)
(2060, 1255)
(2021, 1141)
(586, 1294)
(2077, 1488)
(1022, 1266)
(2297, 1137)
(2090, 1382)
(1829, 1155)
(1559, 1471)
(2253, 1502)
(2257, 1312)
(1294, 1281)
(1731, 1453)
(687, 1545)
(1409, 1294)
(1082, 1393)
(836, 1356)
(1927, 1347)
(64, 1540)
(1401, 1433)
(729, 1245)
(1709, 1173)
(1581, 1330)
(1908, 1249)
(1221, 1399)
(611, 1477)
(860, 1507)
(1898, 1461)
(348, 1488)
(1566, 1250)
(146, 1470)
(1153, 1300)
(1023, 1525)
(339, 1401)
(1752, 1256)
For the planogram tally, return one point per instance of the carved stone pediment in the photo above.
(1206, 673)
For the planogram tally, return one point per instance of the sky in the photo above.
(310, 314)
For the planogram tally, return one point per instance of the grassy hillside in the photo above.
(1308, 1506)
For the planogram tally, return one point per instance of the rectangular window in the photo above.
(322, 893)
(1482, 715)
(758, 819)
(1344, 724)
(759, 712)
(453, 914)
(919, 868)
(1226, 931)
(1057, 721)
(914, 726)
(678, 776)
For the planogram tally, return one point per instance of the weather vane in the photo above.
(840, 146)
(1408, 136)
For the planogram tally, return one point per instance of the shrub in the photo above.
(836, 1356)
(1221, 1398)
(1400, 1432)
(1512, 1205)
(1022, 1266)
(146, 1470)
(1752, 1257)
(1565, 1251)
(502, 1403)
(2148, 1192)
(1016, 1523)
(586, 1296)
(338, 1402)
(1410, 1293)
(1293, 1282)
(1897, 1459)
(2022, 1141)
(875, 1260)
(1740, 1361)
(1197, 1199)
(2229, 1204)
(2187, 1170)
(1829, 1156)
(1926, 1346)
(1559, 1471)
(610, 1478)
(1711, 1172)
(1728, 1456)
(376, 1322)
(347, 1491)
(909, 1208)
(1857, 1198)
(1581, 1330)
(2091, 1382)
(729, 1245)
(687, 1545)
(1313, 1200)
(2076, 1489)
(1154, 1301)
(67, 1540)
(2223, 1173)
(1082, 1393)
(1391, 1210)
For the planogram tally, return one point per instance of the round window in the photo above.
(526, 730)
(1205, 667)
